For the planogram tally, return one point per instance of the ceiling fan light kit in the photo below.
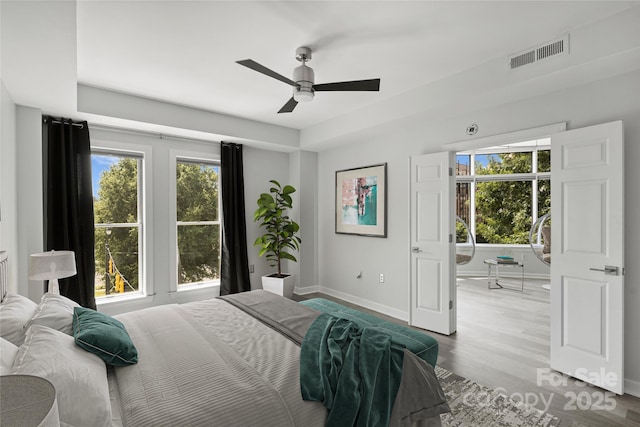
(303, 84)
(305, 78)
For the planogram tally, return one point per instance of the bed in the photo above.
(205, 363)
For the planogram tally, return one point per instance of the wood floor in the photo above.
(502, 342)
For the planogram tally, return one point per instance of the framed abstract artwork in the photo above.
(361, 201)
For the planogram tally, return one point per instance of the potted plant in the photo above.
(280, 236)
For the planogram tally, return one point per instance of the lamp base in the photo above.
(53, 287)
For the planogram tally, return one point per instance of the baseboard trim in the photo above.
(306, 290)
(632, 387)
(371, 305)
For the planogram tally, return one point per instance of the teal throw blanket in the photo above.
(355, 372)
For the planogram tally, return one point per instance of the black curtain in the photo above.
(68, 202)
(234, 276)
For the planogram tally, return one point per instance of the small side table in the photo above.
(496, 280)
(27, 400)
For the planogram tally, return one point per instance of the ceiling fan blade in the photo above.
(356, 85)
(250, 63)
(289, 106)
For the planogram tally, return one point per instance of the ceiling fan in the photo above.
(303, 80)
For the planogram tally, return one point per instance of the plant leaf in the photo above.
(286, 255)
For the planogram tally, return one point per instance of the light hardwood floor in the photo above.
(502, 341)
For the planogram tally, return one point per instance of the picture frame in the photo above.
(361, 201)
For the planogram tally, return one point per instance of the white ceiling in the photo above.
(184, 52)
(86, 59)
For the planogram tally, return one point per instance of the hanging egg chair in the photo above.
(540, 240)
(465, 243)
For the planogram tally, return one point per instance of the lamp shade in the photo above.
(52, 265)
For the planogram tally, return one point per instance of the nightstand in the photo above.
(27, 401)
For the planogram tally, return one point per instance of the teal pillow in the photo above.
(103, 336)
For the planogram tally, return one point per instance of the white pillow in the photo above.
(80, 378)
(15, 313)
(55, 312)
(8, 352)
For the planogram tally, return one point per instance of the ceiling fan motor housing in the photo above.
(305, 78)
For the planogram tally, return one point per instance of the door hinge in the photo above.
(450, 171)
(450, 304)
(450, 238)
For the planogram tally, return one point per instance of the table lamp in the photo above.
(52, 266)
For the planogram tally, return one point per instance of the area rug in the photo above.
(474, 405)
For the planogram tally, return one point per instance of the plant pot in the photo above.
(279, 285)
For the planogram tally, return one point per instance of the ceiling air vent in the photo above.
(538, 53)
(523, 59)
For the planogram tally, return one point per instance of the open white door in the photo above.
(432, 304)
(587, 282)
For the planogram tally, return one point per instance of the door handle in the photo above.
(608, 270)
(416, 250)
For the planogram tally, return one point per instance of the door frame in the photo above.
(472, 144)
(501, 139)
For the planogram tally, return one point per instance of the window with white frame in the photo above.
(198, 226)
(502, 190)
(117, 203)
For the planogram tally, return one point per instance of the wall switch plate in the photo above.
(381, 278)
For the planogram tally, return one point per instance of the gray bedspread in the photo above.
(210, 364)
(288, 317)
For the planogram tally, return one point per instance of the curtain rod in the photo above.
(58, 122)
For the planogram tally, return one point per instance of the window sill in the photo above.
(199, 285)
(188, 293)
(124, 303)
(133, 296)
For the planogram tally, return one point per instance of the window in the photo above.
(501, 191)
(198, 230)
(117, 203)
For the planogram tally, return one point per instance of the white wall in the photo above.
(29, 196)
(21, 192)
(8, 186)
(260, 166)
(341, 257)
(303, 173)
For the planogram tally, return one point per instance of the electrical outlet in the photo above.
(381, 278)
(252, 268)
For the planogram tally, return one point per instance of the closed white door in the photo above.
(432, 296)
(587, 255)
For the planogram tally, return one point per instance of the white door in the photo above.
(432, 296)
(587, 255)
